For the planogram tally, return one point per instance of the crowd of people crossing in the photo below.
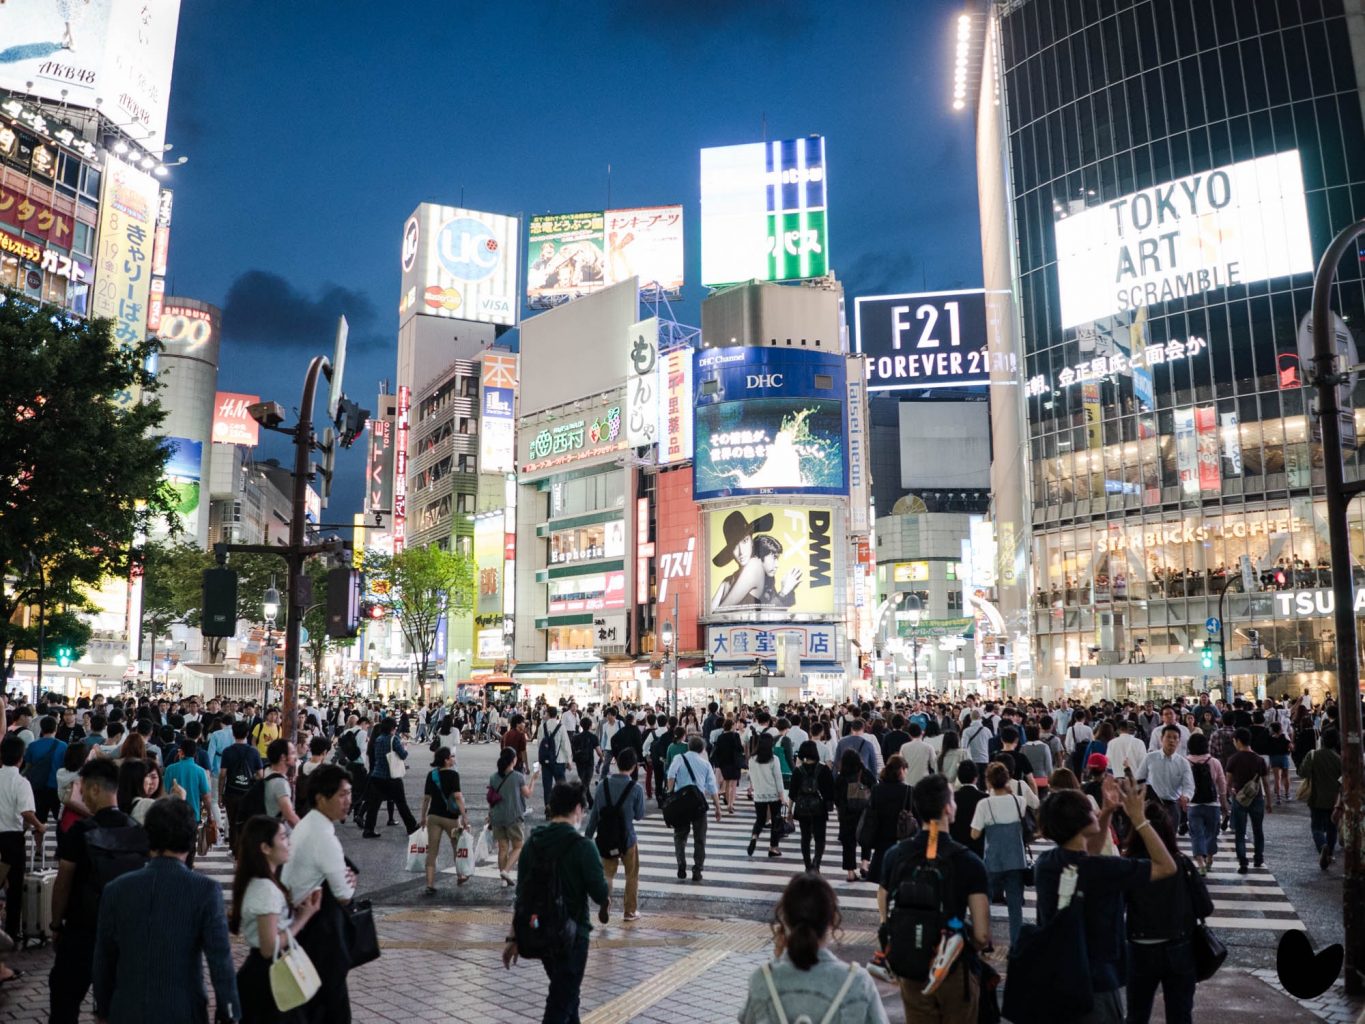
(933, 805)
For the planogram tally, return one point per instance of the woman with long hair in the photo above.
(890, 797)
(727, 756)
(139, 786)
(134, 749)
(263, 913)
(806, 981)
(1000, 820)
(69, 786)
(770, 796)
(950, 754)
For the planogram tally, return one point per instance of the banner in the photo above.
(184, 472)
(646, 243)
(564, 257)
(929, 629)
(675, 409)
(642, 383)
(745, 642)
(460, 263)
(488, 559)
(1206, 432)
(35, 217)
(922, 340)
(379, 466)
(678, 554)
(1232, 445)
(1186, 452)
(497, 422)
(859, 480)
(232, 424)
(128, 207)
(770, 556)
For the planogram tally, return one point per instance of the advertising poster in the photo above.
(232, 424)
(184, 474)
(769, 421)
(564, 257)
(675, 406)
(763, 212)
(1186, 452)
(591, 592)
(460, 264)
(859, 478)
(922, 340)
(816, 642)
(771, 557)
(1235, 224)
(642, 383)
(114, 54)
(497, 412)
(1232, 445)
(488, 560)
(190, 331)
(646, 243)
(1206, 434)
(573, 439)
(678, 553)
(379, 466)
(400, 469)
(128, 206)
(35, 217)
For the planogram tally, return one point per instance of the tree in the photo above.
(81, 468)
(315, 621)
(417, 586)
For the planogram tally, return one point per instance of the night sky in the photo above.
(313, 130)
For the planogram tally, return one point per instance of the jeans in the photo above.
(566, 978)
(1324, 829)
(698, 828)
(391, 790)
(768, 810)
(1203, 829)
(1011, 884)
(813, 829)
(1240, 814)
(549, 775)
(1168, 964)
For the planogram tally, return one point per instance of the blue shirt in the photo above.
(39, 750)
(380, 768)
(218, 742)
(193, 779)
(633, 808)
(681, 778)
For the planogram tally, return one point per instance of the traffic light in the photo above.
(343, 602)
(374, 612)
(710, 666)
(65, 656)
(219, 606)
(1206, 657)
(350, 422)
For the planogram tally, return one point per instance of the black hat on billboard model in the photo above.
(736, 529)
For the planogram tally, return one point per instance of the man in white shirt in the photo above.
(316, 859)
(797, 734)
(919, 756)
(555, 771)
(570, 718)
(1168, 718)
(976, 739)
(1078, 733)
(1126, 751)
(17, 812)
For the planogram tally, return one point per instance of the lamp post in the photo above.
(270, 606)
(913, 614)
(670, 664)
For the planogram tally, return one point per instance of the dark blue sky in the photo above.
(312, 130)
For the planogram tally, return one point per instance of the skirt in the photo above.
(253, 992)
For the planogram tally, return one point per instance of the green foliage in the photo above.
(80, 472)
(416, 586)
(315, 620)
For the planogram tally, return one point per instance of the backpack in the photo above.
(809, 803)
(581, 745)
(112, 851)
(611, 825)
(1050, 965)
(254, 802)
(920, 910)
(857, 794)
(1204, 790)
(541, 922)
(546, 751)
(349, 745)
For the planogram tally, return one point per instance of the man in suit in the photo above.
(192, 925)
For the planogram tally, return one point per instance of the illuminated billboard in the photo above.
(763, 212)
(1235, 224)
(184, 473)
(678, 547)
(771, 557)
(922, 340)
(769, 421)
(112, 54)
(460, 264)
(379, 466)
(497, 411)
(569, 255)
(642, 383)
(675, 406)
(232, 424)
(128, 209)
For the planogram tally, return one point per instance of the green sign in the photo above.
(927, 629)
(568, 437)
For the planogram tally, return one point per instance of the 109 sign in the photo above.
(928, 340)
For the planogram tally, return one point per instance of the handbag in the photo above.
(293, 978)
(362, 939)
(495, 794)
(906, 823)
(1209, 951)
(686, 804)
(397, 766)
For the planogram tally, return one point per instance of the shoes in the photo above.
(462, 879)
(603, 914)
(632, 917)
(431, 890)
(1259, 862)
(878, 969)
(949, 949)
(696, 875)
(682, 873)
(774, 853)
(506, 880)
(369, 835)
(1325, 858)
(1241, 867)
(753, 843)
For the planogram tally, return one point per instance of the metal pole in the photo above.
(1223, 636)
(42, 625)
(915, 656)
(1348, 667)
(293, 626)
(676, 644)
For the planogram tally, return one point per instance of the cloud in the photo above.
(262, 308)
(882, 273)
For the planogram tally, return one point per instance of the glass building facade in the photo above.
(1174, 171)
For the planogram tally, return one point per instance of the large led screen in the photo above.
(771, 557)
(1232, 225)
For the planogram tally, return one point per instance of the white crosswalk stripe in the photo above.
(1251, 901)
(216, 864)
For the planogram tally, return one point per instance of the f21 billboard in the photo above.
(769, 421)
(922, 340)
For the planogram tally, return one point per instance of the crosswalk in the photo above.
(1253, 901)
(216, 864)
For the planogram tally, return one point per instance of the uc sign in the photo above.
(924, 340)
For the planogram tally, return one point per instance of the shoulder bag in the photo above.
(1305, 789)
(362, 939)
(906, 823)
(834, 1005)
(1205, 945)
(397, 766)
(685, 804)
(293, 978)
(494, 794)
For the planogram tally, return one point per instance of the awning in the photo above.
(542, 668)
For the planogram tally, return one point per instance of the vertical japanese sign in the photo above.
(1186, 452)
(1206, 435)
(498, 401)
(859, 491)
(642, 383)
(675, 407)
(400, 473)
(123, 254)
(379, 474)
(161, 242)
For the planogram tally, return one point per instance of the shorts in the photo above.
(1279, 761)
(513, 833)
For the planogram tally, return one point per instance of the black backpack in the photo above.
(541, 922)
(546, 751)
(254, 802)
(349, 746)
(808, 803)
(611, 825)
(1204, 790)
(111, 851)
(921, 893)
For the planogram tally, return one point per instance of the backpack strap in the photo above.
(828, 1018)
(772, 993)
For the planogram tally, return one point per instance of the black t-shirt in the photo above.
(241, 762)
(1104, 881)
(966, 798)
(969, 873)
(627, 736)
(71, 847)
(583, 745)
(443, 803)
(893, 741)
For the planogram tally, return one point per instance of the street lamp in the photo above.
(667, 636)
(271, 607)
(913, 613)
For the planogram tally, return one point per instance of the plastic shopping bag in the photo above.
(486, 851)
(417, 851)
(464, 854)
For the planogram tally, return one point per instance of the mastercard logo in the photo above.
(443, 298)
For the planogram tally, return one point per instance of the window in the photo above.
(955, 600)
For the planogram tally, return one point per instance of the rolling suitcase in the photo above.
(39, 884)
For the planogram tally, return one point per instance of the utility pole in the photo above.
(1339, 493)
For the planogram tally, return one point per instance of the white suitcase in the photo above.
(39, 884)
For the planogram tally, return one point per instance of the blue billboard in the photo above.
(769, 421)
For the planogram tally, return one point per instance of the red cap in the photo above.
(1097, 761)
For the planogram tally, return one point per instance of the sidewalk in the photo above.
(444, 966)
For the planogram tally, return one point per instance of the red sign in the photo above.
(400, 474)
(677, 555)
(1206, 434)
(232, 424)
(34, 217)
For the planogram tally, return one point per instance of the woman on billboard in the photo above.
(754, 581)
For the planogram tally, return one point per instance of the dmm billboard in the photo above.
(772, 557)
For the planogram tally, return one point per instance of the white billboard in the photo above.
(460, 264)
(112, 54)
(1232, 225)
(642, 383)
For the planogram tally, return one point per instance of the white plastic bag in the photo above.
(464, 854)
(417, 851)
(486, 851)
